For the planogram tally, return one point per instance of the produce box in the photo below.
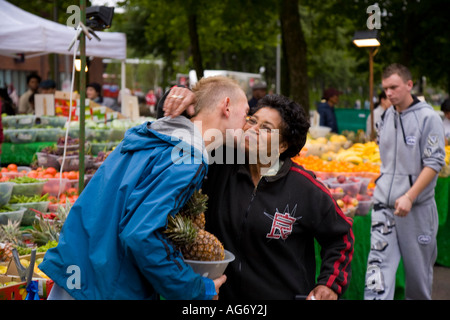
(48, 160)
(48, 134)
(99, 134)
(57, 122)
(19, 121)
(55, 186)
(12, 268)
(97, 147)
(11, 288)
(28, 189)
(5, 192)
(22, 135)
(11, 215)
(72, 163)
(29, 215)
(45, 284)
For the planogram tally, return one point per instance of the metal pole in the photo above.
(372, 131)
(82, 98)
(278, 63)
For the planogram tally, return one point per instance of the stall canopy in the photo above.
(23, 32)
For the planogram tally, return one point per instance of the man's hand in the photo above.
(322, 292)
(218, 283)
(178, 100)
(402, 206)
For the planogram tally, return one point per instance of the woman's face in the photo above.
(262, 138)
(91, 93)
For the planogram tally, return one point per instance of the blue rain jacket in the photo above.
(112, 245)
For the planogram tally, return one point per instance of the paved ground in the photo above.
(441, 283)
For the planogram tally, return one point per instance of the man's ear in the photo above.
(226, 107)
(410, 84)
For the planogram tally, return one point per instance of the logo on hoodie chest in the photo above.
(282, 223)
(410, 140)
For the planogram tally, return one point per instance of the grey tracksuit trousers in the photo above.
(412, 238)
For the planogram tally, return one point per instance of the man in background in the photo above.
(326, 109)
(25, 107)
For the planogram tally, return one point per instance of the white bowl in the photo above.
(211, 269)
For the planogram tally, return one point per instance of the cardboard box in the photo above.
(16, 291)
(12, 269)
(45, 284)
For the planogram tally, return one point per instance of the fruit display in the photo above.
(186, 230)
(347, 166)
(445, 171)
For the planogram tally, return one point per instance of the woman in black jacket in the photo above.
(268, 214)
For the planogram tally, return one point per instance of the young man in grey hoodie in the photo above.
(405, 218)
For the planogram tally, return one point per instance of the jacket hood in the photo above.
(417, 106)
(165, 130)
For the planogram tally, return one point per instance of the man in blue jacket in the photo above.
(112, 245)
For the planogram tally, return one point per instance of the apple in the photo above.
(341, 178)
(340, 203)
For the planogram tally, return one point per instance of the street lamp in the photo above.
(369, 39)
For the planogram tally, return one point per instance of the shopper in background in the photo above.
(404, 217)
(445, 108)
(47, 87)
(6, 102)
(382, 105)
(25, 107)
(259, 90)
(326, 109)
(150, 101)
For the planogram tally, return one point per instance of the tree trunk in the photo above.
(195, 45)
(295, 52)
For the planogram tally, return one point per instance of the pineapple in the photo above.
(195, 243)
(10, 237)
(45, 231)
(195, 208)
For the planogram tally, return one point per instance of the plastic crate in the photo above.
(53, 121)
(72, 163)
(19, 121)
(28, 189)
(55, 186)
(48, 135)
(22, 135)
(11, 215)
(47, 160)
(29, 215)
(5, 192)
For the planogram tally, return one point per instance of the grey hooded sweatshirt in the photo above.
(408, 141)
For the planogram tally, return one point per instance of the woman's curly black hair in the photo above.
(295, 122)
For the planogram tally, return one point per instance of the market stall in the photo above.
(348, 168)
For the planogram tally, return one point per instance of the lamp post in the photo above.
(369, 39)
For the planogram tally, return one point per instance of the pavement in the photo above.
(441, 283)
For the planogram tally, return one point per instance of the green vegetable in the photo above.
(25, 179)
(25, 199)
(6, 209)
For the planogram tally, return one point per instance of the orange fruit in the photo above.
(12, 167)
(32, 174)
(72, 175)
(50, 170)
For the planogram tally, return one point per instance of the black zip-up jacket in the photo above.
(271, 230)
